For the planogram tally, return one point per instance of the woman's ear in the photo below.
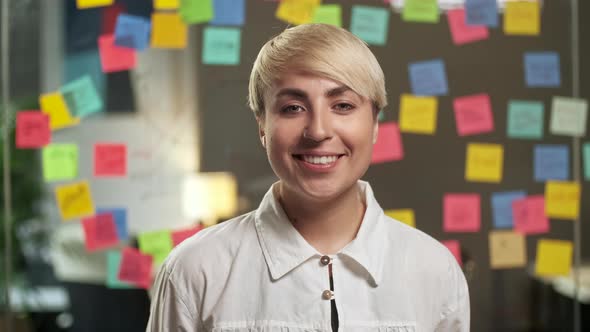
(375, 130)
(261, 132)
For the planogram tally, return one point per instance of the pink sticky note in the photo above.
(136, 268)
(32, 129)
(114, 58)
(389, 144)
(110, 159)
(463, 33)
(529, 215)
(181, 235)
(109, 17)
(473, 114)
(461, 212)
(100, 232)
(455, 249)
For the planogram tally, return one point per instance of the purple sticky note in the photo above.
(529, 215)
(461, 213)
(473, 114)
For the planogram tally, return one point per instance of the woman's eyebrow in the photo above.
(337, 91)
(291, 92)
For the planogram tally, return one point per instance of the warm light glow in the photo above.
(208, 197)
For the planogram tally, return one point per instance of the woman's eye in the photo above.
(343, 107)
(292, 109)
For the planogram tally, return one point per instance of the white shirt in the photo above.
(257, 273)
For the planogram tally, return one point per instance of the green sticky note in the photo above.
(328, 14)
(221, 46)
(525, 119)
(424, 11)
(586, 153)
(158, 244)
(60, 161)
(82, 97)
(196, 11)
(370, 24)
(113, 263)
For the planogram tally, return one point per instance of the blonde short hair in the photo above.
(318, 49)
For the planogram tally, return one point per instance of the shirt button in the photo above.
(327, 295)
(325, 260)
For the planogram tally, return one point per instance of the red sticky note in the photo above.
(181, 235)
(529, 215)
(135, 268)
(455, 249)
(473, 114)
(461, 212)
(100, 232)
(461, 32)
(32, 129)
(114, 58)
(109, 18)
(110, 159)
(389, 144)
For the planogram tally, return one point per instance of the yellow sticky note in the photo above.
(54, 105)
(562, 199)
(168, 31)
(507, 249)
(166, 4)
(297, 11)
(404, 215)
(417, 114)
(522, 18)
(82, 4)
(484, 162)
(74, 200)
(554, 258)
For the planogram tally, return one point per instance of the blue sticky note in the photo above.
(542, 69)
(221, 46)
(228, 12)
(552, 162)
(586, 156)
(79, 64)
(132, 31)
(82, 97)
(481, 12)
(120, 217)
(502, 207)
(370, 24)
(525, 119)
(428, 78)
(113, 264)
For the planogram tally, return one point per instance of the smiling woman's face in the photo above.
(318, 135)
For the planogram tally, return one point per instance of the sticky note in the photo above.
(135, 268)
(404, 215)
(83, 4)
(461, 32)
(196, 11)
(473, 114)
(586, 156)
(522, 18)
(82, 97)
(32, 129)
(484, 162)
(60, 162)
(166, 4)
(568, 116)
(180, 235)
(507, 250)
(100, 232)
(455, 248)
(328, 14)
(502, 207)
(424, 11)
(428, 78)
(54, 105)
(168, 31)
(418, 114)
(113, 265)
(74, 200)
(109, 17)
(132, 31)
(562, 199)
(158, 244)
(389, 144)
(120, 218)
(221, 46)
(84, 63)
(110, 159)
(542, 69)
(114, 58)
(554, 258)
(529, 215)
(370, 24)
(228, 12)
(525, 119)
(552, 162)
(461, 212)
(481, 12)
(297, 11)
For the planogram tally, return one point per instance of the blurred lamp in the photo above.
(208, 197)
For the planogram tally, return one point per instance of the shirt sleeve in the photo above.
(456, 316)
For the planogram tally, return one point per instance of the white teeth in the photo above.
(323, 160)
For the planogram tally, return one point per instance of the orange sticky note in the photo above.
(507, 249)
(32, 129)
(100, 232)
(484, 162)
(522, 18)
(135, 268)
(297, 11)
(180, 235)
(417, 114)
(74, 200)
(404, 215)
(114, 58)
(562, 199)
(110, 159)
(54, 105)
(461, 212)
(168, 31)
(455, 248)
(83, 4)
(389, 144)
(554, 258)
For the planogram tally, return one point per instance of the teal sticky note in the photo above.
(586, 154)
(221, 46)
(113, 263)
(525, 119)
(82, 97)
(84, 63)
(370, 24)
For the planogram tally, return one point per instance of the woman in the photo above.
(318, 254)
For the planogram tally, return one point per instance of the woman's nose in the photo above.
(318, 126)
